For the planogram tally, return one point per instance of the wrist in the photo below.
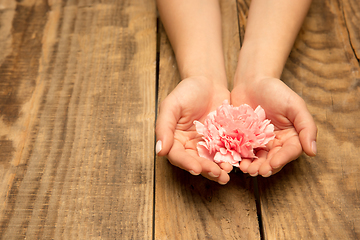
(255, 63)
(210, 69)
(207, 81)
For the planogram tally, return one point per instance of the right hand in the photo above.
(193, 99)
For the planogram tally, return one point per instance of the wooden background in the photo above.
(79, 87)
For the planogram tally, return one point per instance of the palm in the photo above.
(282, 110)
(193, 99)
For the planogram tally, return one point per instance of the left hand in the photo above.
(295, 128)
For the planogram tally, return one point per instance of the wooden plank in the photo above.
(319, 198)
(242, 11)
(192, 207)
(351, 11)
(77, 104)
(230, 35)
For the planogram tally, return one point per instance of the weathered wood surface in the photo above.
(77, 101)
(319, 198)
(77, 114)
(192, 207)
(351, 12)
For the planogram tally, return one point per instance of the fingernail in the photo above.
(193, 173)
(268, 174)
(313, 147)
(158, 146)
(254, 174)
(211, 174)
(222, 183)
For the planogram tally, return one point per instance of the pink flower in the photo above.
(232, 133)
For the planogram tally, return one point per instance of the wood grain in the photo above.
(351, 12)
(319, 198)
(77, 100)
(230, 37)
(192, 207)
(242, 11)
(77, 104)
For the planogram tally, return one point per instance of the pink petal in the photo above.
(232, 133)
(204, 152)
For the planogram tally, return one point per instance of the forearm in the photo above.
(271, 30)
(194, 30)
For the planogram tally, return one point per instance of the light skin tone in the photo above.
(194, 30)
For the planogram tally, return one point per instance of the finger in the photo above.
(274, 171)
(182, 159)
(305, 126)
(289, 151)
(211, 170)
(266, 170)
(169, 115)
(222, 179)
(254, 167)
(227, 167)
(244, 165)
(191, 162)
(209, 167)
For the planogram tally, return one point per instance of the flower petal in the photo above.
(232, 133)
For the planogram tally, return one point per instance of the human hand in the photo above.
(193, 99)
(295, 128)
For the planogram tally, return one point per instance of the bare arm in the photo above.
(271, 30)
(194, 30)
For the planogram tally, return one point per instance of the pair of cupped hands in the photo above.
(195, 97)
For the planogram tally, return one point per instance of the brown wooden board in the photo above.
(242, 11)
(77, 100)
(319, 198)
(192, 207)
(351, 11)
(230, 35)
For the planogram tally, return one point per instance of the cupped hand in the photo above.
(295, 128)
(193, 99)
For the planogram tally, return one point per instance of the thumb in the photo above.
(306, 128)
(169, 115)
